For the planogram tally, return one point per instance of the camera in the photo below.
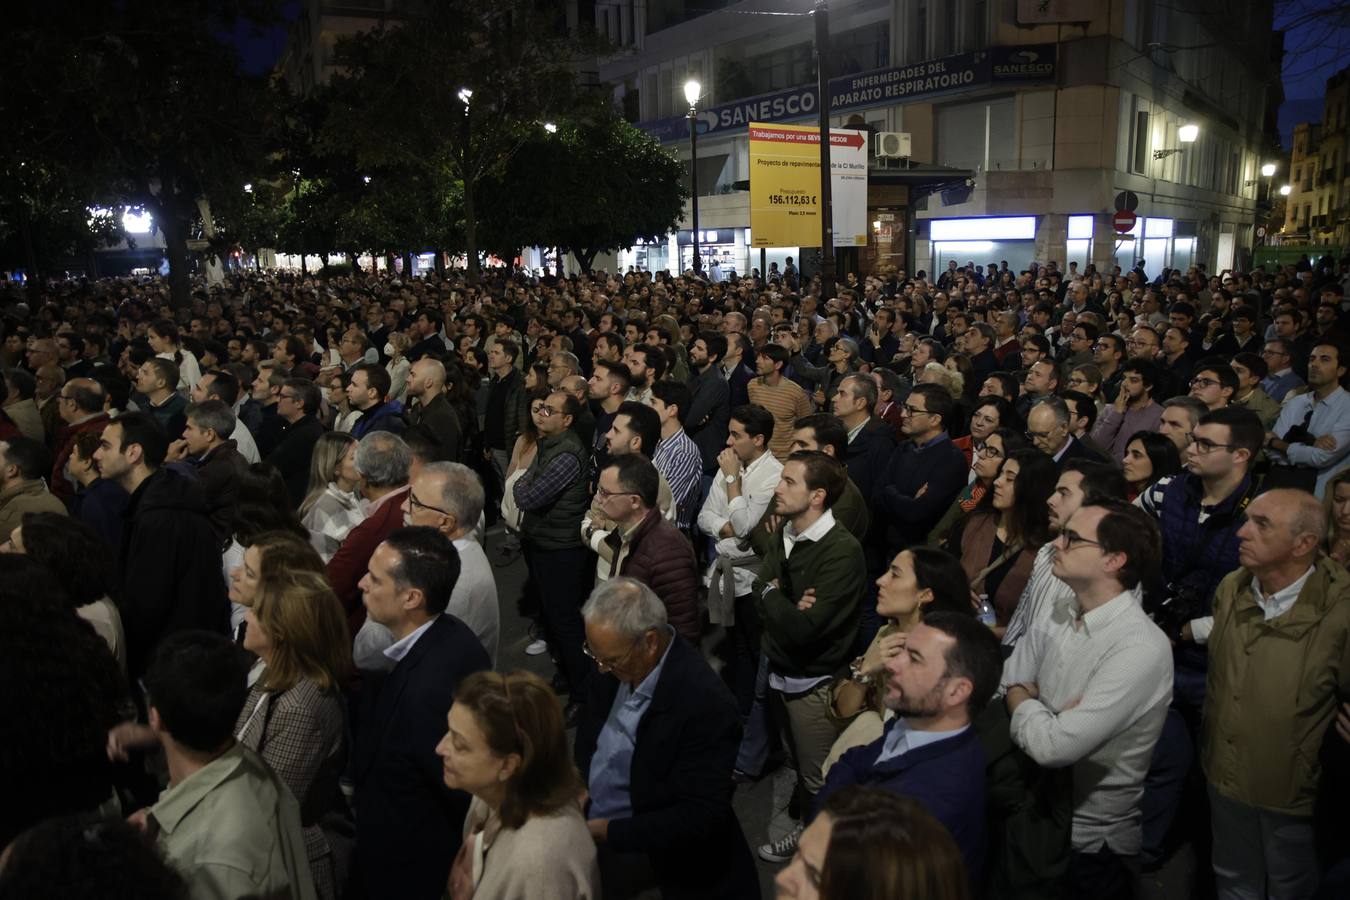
(1180, 603)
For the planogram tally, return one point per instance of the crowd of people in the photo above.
(1030, 580)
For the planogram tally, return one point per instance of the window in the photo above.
(978, 26)
(1142, 140)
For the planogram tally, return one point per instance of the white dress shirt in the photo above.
(1113, 666)
(758, 481)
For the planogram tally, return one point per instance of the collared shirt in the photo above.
(232, 828)
(678, 458)
(1330, 416)
(400, 648)
(857, 430)
(1113, 667)
(612, 764)
(1277, 604)
(814, 532)
(758, 481)
(902, 739)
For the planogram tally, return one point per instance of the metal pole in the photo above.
(821, 12)
(693, 181)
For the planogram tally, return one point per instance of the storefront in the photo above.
(984, 240)
(1159, 243)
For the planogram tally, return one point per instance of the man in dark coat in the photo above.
(924, 475)
(655, 743)
(168, 576)
(298, 406)
(408, 823)
(432, 416)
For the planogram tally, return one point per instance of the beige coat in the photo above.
(1272, 689)
(25, 497)
(26, 416)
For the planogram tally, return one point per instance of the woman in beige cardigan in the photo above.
(524, 836)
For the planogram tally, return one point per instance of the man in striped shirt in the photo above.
(783, 398)
(677, 457)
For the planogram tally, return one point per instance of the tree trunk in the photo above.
(470, 232)
(35, 283)
(407, 264)
(174, 228)
(440, 263)
(585, 259)
(352, 258)
(304, 266)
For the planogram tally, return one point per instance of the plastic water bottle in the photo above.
(987, 615)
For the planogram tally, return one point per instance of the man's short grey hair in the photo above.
(850, 347)
(626, 605)
(212, 415)
(863, 386)
(383, 459)
(1057, 406)
(569, 359)
(1194, 407)
(462, 494)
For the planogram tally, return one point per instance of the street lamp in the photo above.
(465, 95)
(248, 188)
(1285, 190)
(1188, 133)
(550, 128)
(1268, 169)
(692, 89)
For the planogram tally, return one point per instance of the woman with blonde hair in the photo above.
(950, 379)
(267, 557)
(395, 346)
(524, 836)
(331, 507)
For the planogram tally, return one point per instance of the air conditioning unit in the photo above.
(892, 145)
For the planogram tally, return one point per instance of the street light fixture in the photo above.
(1188, 133)
(1286, 190)
(550, 128)
(1268, 169)
(464, 95)
(248, 188)
(692, 90)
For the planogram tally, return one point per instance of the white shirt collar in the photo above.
(814, 532)
(1277, 604)
(400, 648)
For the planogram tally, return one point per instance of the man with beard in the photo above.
(945, 674)
(1133, 409)
(646, 364)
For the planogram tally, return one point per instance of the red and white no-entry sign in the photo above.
(1123, 221)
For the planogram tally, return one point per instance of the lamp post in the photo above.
(822, 15)
(692, 89)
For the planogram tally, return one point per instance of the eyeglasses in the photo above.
(414, 503)
(603, 494)
(1205, 446)
(285, 396)
(1038, 435)
(1100, 345)
(1138, 344)
(988, 451)
(1274, 353)
(1204, 382)
(543, 409)
(911, 411)
(1072, 538)
(605, 665)
(1076, 380)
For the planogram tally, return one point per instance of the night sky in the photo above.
(1317, 45)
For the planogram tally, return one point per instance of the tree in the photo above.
(145, 99)
(592, 188)
(453, 94)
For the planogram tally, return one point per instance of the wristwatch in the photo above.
(731, 479)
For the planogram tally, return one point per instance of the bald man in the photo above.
(80, 404)
(429, 411)
(584, 424)
(1279, 665)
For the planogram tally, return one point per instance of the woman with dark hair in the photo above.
(63, 691)
(871, 844)
(1149, 455)
(165, 341)
(988, 455)
(990, 412)
(536, 377)
(524, 836)
(75, 555)
(919, 581)
(999, 539)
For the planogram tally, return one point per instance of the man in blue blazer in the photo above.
(947, 671)
(924, 474)
(656, 745)
(408, 822)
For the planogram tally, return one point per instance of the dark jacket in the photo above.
(291, 455)
(681, 794)
(438, 423)
(388, 416)
(62, 488)
(557, 525)
(709, 413)
(169, 572)
(869, 453)
(171, 414)
(219, 471)
(663, 559)
(408, 821)
(513, 413)
(908, 518)
(349, 563)
(1079, 450)
(738, 386)
(101, 506)
(818, 640)
(946, 776)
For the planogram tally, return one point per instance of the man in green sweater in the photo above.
(809, 592)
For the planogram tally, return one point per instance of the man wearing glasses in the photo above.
(1199, 512)
(925, 473)
(1090, 689)
(1282, 378)
(1215, 386)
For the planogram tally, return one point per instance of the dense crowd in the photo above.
(1033, 578)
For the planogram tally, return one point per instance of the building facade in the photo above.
(1318, 209)
(1054, 108)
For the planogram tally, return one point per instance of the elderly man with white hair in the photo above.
(655, 743)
